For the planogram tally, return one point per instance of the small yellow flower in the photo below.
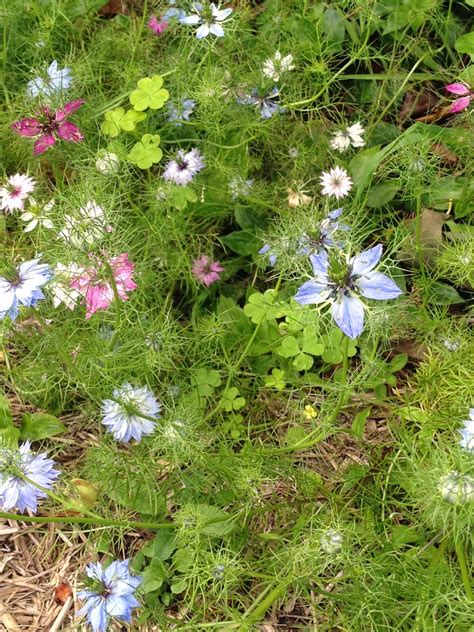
(309, 412)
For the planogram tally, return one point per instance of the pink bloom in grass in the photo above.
(96, 287)
(465, 94)
(206, 271)
(49, 126)
(158, 26)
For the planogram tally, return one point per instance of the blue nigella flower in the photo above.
(23, 288)
(178, 112)
(340, 283)
(58, 80)
(467, 433)
(173, 12)
(324, 235)
(123, 414)
(264, 103)
(110, 594)
(17, 465)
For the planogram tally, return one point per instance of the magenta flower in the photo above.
(465, 94)
(49, 126)
(158, 26)
(206, 271)
(96, 287)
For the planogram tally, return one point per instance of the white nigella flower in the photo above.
(15, 192)
(276, 65)
(239, 187)
(108, 163)
(457, 488)
(342, 140)
(467, 433)
(61, 288)
(209, 16)
(331, 541)
(335, 182)
(130, 413)
(86, 227)
(37, 215)
(451, 345)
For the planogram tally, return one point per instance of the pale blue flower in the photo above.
(178, 112)
(123, 415)
(23, 287)
(267, 250)
(324, 236)
(340, 283)
(110, 594)
(264, 104)
(210, 17)
(467, 433)
(58, 80)
(16, 465)
(173, 12)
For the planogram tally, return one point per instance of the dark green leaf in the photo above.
(35, 426)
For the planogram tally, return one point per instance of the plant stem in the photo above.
(265, 604)
(129, 524)
(465, 574)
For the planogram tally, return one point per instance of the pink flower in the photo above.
(156, 25)
(206, 271)
(50, 126)
(94, 283)
(464, 92)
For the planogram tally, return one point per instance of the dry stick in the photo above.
(62, 615)
(7, 619)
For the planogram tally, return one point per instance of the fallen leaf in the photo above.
(429, 240)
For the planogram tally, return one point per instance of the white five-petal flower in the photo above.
(342, 140)
(37, 215)
(276, 65)
(210, 17)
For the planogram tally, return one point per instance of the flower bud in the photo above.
(108, 163)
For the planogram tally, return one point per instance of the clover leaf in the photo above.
(118, 120)
(146, 152)
(180, 196)
(149, 94)
(231, 400)
(261, 307)
(206, 380)
(276, 380)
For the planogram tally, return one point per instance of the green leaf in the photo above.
(154, 576)
(149, 94)
(465, 44)
(214, 521)
(276, 380)
(261, 307)
(179, 586)
(358, 425)
(146, 152)
(9, 434)
(243, 242)
(311, 342)
(231, 400)
(442, 294)
(363, 165)
(206, 380)
(303, 362)
(382, 194)
(334, 30)
(162, 546)
(180, 196)
(398, 362)
(332, 356)
(183, 560)
(289, 347)
(118, 120)
(35, 426)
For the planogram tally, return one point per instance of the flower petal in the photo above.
(68, 109)
(43, 143)
(378, 286)
(460, 104)
(203, 31)
(191, 19)
(348, 313)
(311, 293)
(217, 30)
(27, 127)
(69, 131)
(366, 261)
(457, 88)
(320, 263)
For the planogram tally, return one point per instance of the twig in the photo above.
(7, 619)
(62, 615)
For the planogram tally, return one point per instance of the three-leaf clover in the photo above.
(180, 196)
(231, 400)
(118, 120)
(146, 152)
(276, 380)
(262, 307)
(206, 380)
(149, 94)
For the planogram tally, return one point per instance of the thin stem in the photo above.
(465, 574)
(260, 610)
(129, 524)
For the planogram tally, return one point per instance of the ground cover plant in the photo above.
(235, 307)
